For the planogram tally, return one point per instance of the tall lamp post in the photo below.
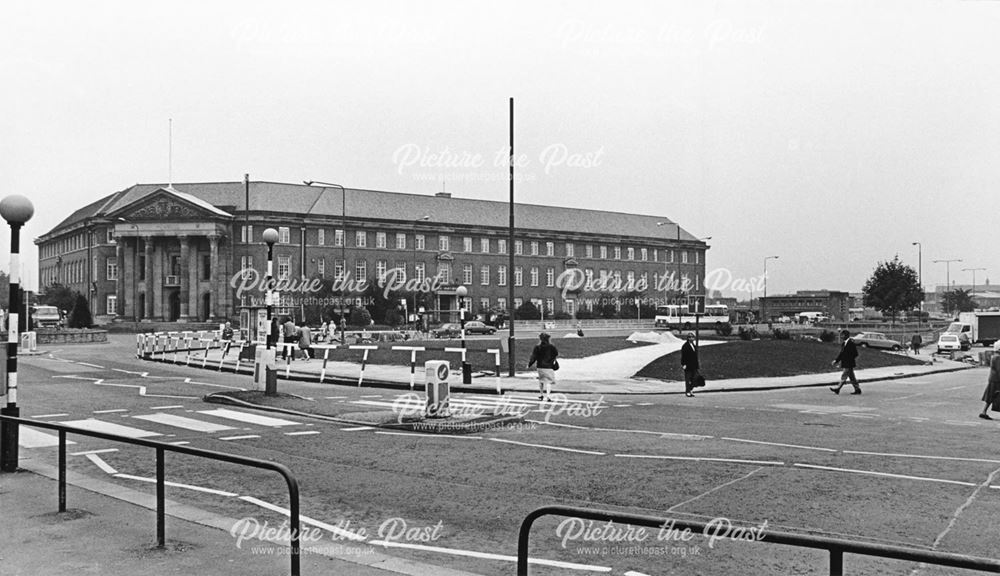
(343, 245)
(16, 210)
(973, 297)
(763, 301)
(920, 279)
(462, 292)
(271, 384)
(677, 228)
(947, 264)
(421, 219)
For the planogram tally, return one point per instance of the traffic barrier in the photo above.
(496, 355)
(326, 356)
(413, 360)
(364, 360)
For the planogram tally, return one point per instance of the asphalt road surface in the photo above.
(906, 463)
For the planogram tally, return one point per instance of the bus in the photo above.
(678, 317)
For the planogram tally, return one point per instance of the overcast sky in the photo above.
(831, 134)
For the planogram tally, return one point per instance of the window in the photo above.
(284, 266)
(656, 255)
(569, 307)
(444, 272)
(246, 264)
(284, 235)
(589, 251)
(112, 305)
(381, 266)
(534, 248)
(484, 304)
(501, 246)
(467, 274)
(484, 275)
(534, 275)
(550, 305)
(443, 243)
(401, 267)
(361, 239)
(338, 237)
(518, 247)
(502, 303)
(604, 252)
(400, 241)
(618, 252)
(321, 236)
(338, 268)
(420, 271)
(484, 245)
(643, 254)
(630, 253)
(684, 257)
(589, 274)
(518, 276)
(630, 278)
(360, 269)
(467, 244)
(518, 302)
(550, 249)
(321, 267)
(112, 266)
(501, 275)
(569, 250)
(697, 257)
(671, 256)
(111, 235)
(380, 240)
(550, 276)
(246, 233)
(419, 242)
(206, 266)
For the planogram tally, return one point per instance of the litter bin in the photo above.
(265, 371)
(438, 393)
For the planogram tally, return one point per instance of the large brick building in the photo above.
(156, 252)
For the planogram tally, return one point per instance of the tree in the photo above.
(892, 288)
(527, 311)
(958, 300)
(58, 295)
(80, 316)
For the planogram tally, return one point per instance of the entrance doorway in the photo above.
(206, 306)
(174, 307)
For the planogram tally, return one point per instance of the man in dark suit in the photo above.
(689, 362)
(847, 360)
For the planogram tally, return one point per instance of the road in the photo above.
(905, 463)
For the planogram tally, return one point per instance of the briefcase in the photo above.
(698, 381)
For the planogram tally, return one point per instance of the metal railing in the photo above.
(161, 448)
(836, 547)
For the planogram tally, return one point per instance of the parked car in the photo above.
(948, 341)
(876, 340)
(454, 330)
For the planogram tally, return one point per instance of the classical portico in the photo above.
(170, 266)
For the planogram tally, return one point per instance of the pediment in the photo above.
(571, 263)
(445, 256)
(163, 205)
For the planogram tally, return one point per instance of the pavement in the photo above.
(110, 529)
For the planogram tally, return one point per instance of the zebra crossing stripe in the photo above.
(29, 437)
(183, 422)
(249, 418)
(110, 428)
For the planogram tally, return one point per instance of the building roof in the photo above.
(317, 201)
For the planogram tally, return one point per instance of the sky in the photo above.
(832, 134)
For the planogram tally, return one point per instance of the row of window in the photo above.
(484, 245)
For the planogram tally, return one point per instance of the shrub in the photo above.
(584, 314)
(724, 329)
(360, 317)
(748, 333)
(80, 317)
(779, 334)
(827, 336)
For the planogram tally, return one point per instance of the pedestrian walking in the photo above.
(289, 332)
(544, 354)
(321, 337)
(916, 343)
(305, 342)
(992, 384)
(227, 338)
(848, 361)
(690, 364)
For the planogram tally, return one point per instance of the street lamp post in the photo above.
(462, 292)
(947, 264)
(343, 245)
(421, 219)
(763, 301)
(973, 297)
(271, 384)
(920, 279)
(16, 210)
(677, 261)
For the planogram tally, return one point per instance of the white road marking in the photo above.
(779, 444)
(335, 397)
(894, 455)
(181, 443)
(717, 488)
(101, 464)
(183, 422)
(357, 429)
(305, 519)
(961, 423)
(91, 365)
(245, 437)
(110, 428)
(490, 556)
(302, 433)
(178, 485)
(50, 416)
(560, 448)
(955, 387)
(111, 411)
(560, 425)
(703, 459)
(883, 474)
(142, 390)
(852, 415)
(249, 418)
(31, 438)
(104, 451)
(430, 435)
(165, 407)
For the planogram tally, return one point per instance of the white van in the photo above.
(45, 317)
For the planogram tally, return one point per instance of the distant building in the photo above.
(985, 296)
(831, 303)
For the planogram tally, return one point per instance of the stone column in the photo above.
(216, 282)
(120, 283)
(185, 279)
(149, 288)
